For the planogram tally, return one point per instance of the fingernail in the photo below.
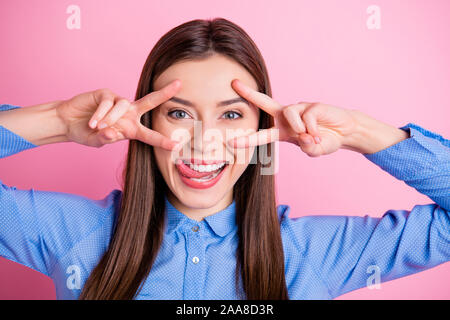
(93, 124)
(102, 125)
(317, 139)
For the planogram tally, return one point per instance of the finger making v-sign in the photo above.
(317, 128)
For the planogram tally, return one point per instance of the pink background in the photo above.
(315, 51)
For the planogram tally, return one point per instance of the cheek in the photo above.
(161, 159)
(252, 119)
(158, 121)
(249, 125)
(242, 159)
(162, 156)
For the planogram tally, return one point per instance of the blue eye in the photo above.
(178, 114)
(181, 114)
(234, 115)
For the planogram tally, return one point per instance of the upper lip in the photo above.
(203, 161)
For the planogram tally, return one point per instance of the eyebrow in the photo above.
(220, 104)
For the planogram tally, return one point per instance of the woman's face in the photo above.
(204, 114)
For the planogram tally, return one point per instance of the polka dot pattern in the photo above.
(64, 235)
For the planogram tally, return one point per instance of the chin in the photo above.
(200, 202)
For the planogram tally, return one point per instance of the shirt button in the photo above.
(195, 228)
(195, 260)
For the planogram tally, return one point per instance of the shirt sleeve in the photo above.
(11, 143)
(347, 251)
(37, 227)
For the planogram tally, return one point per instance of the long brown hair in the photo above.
(139, 226)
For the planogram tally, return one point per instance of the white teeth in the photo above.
(206, 168)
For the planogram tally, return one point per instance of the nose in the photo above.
(207, 139)
(202, 141)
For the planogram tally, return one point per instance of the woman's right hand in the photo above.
(85, 113)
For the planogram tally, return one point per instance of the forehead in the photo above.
(209, 78)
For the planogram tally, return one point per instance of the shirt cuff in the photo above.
(11, 143)
(424, 151)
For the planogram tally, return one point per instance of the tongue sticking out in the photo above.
(185, 170)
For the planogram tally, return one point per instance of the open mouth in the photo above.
(200, 174)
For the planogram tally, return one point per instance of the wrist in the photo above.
(40, 124)
(371, 135)
(57, 126)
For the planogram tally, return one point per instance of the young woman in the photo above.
(197, 218)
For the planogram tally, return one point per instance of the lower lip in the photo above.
(202, 184)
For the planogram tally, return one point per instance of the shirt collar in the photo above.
(221, 222)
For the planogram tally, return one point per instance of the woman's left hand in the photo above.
(318, 129)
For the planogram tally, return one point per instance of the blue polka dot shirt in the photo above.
(64, 235)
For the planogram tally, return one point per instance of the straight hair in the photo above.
(139, 226)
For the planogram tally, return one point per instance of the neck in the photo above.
(199, 213)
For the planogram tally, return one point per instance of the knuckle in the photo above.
(104, 91)
(100, 90)
(312, 155)
(302, 104)
(123, 101)
(307, 115)
(315, 106)
(288, 109)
